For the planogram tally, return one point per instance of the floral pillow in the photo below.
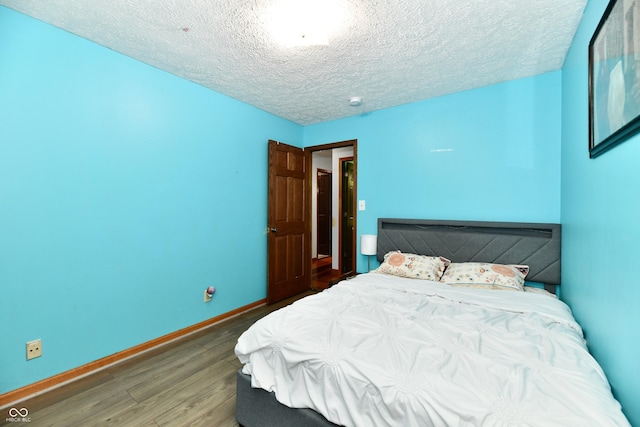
(486, 275)
(413, 266)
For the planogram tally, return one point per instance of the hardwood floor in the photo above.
(322, 274)
(189, 382)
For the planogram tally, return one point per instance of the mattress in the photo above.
(384, 350)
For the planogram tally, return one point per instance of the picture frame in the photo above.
(614, 77)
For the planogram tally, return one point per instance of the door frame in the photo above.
(308, 154)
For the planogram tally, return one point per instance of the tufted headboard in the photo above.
(533, 244)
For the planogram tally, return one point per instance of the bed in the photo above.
(397, 346)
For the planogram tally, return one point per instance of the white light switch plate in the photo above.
(361, 205)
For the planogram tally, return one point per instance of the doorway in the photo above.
(340, 161)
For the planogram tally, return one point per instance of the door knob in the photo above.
(274, 230)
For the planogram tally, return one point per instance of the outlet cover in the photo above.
(207, 297)
(34, 349)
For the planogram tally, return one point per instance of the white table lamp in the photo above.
(368, 247)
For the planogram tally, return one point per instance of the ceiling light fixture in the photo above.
(304, 22)
(355, 101)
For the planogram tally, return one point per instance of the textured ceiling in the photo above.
(387, 52)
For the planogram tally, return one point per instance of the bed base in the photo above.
(258, 407)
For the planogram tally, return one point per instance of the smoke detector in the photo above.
(355, 101)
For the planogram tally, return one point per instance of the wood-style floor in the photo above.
(322, 275)
(190, 382)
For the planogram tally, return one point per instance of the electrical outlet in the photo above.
(207, 297)
(34, 349)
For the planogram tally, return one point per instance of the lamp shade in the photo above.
(368, 244)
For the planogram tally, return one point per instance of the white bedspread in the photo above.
(380, 350)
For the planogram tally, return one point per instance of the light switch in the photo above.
(361, 205)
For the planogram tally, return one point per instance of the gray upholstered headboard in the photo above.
(533, 244)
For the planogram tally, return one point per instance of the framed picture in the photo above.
(614, 77)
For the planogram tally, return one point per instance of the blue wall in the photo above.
(124, 192)
(486, 154)
(600, 213)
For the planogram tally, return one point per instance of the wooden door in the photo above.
(289, 231)
(323, 212)
(347, 209)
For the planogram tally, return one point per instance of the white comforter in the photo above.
(380, 350)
